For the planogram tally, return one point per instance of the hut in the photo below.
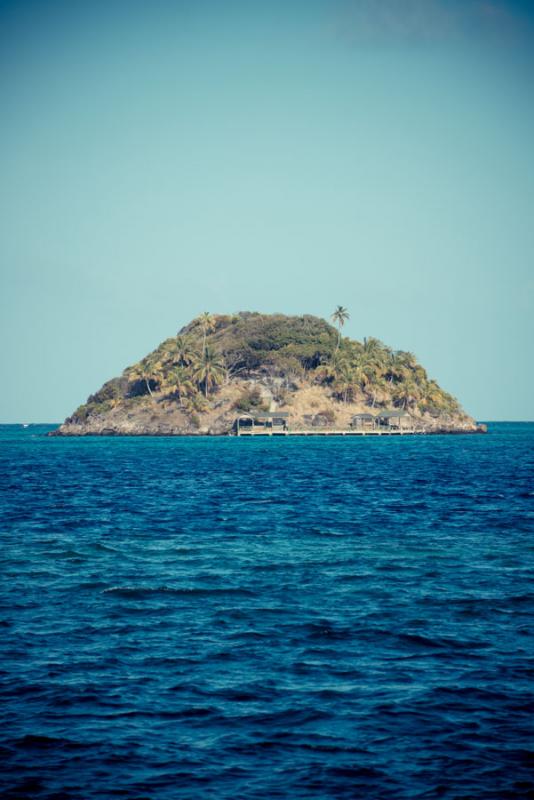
(363, 422)
(399, 420)
(265, 422)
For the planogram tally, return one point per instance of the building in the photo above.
(364, 422)
(400, 420)
(266, 422)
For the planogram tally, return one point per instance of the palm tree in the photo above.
(142, 372)
(333, 369)
(339, 317)
(363, 370)
(395, 368)
(375, 352)
(345, 382)
(210, 369)
(180, 380)
(377, 385)
(407, 393)
(184, 353)
(207, 321)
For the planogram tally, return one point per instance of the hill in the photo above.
(220, 365)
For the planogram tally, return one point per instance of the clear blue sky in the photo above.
(165, 158)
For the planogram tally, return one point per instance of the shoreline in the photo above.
(58, 433)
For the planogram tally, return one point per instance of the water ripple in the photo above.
(218, 618)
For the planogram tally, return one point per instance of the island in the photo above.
(249, 374)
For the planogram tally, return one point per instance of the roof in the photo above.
(265, 414)
(363, 415)
(388, 414)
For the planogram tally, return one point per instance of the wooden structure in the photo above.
(275, 423)
(398, 420)
(363, 421)
(261, 422)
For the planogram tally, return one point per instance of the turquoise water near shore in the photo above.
(302, 618)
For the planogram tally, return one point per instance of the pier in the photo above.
(276, 423)
(386, 432)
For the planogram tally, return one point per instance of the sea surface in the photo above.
(269, 618)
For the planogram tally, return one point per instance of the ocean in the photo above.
(267, 618)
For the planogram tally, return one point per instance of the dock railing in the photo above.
(381, 431)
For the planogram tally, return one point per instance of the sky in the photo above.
(162, 159)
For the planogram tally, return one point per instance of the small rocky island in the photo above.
(253, 373)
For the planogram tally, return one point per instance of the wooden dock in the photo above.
(409, 432)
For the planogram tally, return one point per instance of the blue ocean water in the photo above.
(232, 618)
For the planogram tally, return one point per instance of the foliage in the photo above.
(252, 341)
(339, 317)
(209, 370)
(215, 349)
(250, 399)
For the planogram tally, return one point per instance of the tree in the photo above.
(406, 360)
(395, 368)
(407, 393)
(345, 382)
(375, 353)
(207, 321)
(362, 370)
(377, 385)
(209, 370)
(184, 352)
(339, 317)
(332, 369)
(179, 379)
(144, 372)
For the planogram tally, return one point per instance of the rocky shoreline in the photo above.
(110, 432)
(166, 420)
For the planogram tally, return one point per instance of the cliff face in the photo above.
(217, 367)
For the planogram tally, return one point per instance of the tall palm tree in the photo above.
(207, 321)
(210, 369)
(339, 317)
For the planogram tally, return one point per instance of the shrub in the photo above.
(250, 398)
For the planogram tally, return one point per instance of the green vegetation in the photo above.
(214, 351)
(339, 317)
(209, 370)
(250, 399)
(381, 376)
